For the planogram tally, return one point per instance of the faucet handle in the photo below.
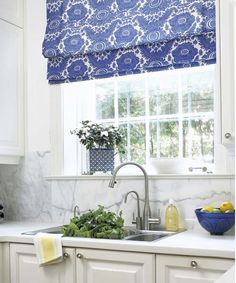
(156, 220)
(76, 210)
(138, 221)
(133, 220)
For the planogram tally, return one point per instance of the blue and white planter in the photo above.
(1, 212)
(101, 160)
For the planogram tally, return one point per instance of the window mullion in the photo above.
(147, 138)
(180, 118)
(116, 102)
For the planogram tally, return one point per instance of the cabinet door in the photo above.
(184, 269)
(96, 266)
(227, 47)
(12, 11)
(11, 91)
(25, 268)
(4, 263)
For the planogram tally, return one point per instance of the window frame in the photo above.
(57, 110)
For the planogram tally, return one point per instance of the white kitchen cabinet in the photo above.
(12, 11)
(25, 268)
(100, 266)
(4, 263)
(82, 266)
(11, 93)
(186, 269)
(227, 63)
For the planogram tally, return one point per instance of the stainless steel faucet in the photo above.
(146, 209)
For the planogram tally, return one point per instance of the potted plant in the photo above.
(101, 141)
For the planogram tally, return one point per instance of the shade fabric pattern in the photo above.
(89, 39)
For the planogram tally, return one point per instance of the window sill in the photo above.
(137, 177)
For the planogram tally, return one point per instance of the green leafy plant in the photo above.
(97, 223)
(93, 135)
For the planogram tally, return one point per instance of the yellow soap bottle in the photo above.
(172, 217)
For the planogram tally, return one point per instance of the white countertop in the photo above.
(192, 243)
(228, 276)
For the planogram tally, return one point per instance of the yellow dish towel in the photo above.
(48, 248)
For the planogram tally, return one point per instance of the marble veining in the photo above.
(28, 196)
(24, 191)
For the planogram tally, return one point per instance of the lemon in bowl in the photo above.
(226, 206)
(215, 220)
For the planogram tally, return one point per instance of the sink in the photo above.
(148, 236)
(131, 234)
(52, 230)
(145, 237)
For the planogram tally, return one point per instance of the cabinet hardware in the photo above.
(194, 264)
(79, 256)
(66, 255)
(227, 135)
(191, 169)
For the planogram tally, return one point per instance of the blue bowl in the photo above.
(215, 223)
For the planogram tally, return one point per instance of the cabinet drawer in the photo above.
(186, 269)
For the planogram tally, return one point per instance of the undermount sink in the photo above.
(146, 235)
(52, 230)
(131, 234)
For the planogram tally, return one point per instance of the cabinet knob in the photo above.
(194, 264)
(66, 255)
(79, 256)
(227, 135)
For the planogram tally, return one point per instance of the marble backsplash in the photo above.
(28, 196)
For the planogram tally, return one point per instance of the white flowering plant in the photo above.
(93, 135)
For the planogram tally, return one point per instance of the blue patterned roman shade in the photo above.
(89, 39)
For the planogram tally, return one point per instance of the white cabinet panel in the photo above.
(25, 267)
(11, 90)
(184, 269)
(12, 11)
(96, 266)
(4, 263)
(227, 47)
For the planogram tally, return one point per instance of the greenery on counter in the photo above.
(97, 223)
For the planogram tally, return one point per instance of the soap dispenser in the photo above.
(172, 217)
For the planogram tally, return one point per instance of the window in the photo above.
(163, 114)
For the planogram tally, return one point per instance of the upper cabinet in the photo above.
(11, 82)
(226, 53)
(12, 11)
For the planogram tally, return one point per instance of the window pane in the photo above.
(163, 94)
(137, 143)
(124, 156)
(153, 128)
(198, 91)
(164, 139)
(163, 103)
(105, 100)
(169, 139)
(198, 140)
(131, 98)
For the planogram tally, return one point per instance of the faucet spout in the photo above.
(146, 210)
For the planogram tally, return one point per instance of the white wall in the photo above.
(37, 104)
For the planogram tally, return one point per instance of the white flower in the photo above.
(85, 130)
(104, 133)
